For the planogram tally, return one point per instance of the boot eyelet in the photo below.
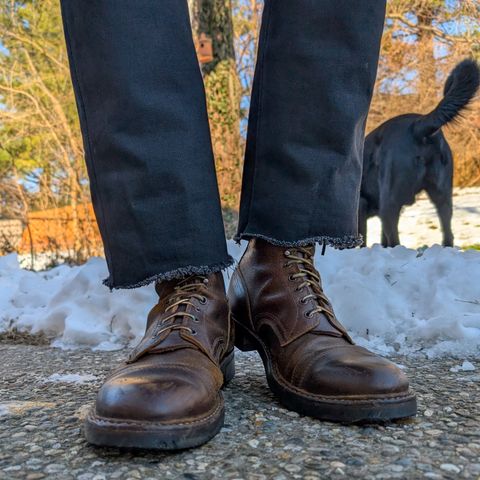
(290, 278)
(287, 253)
(193, 332)
(308, 314)
(203, 300)
(196, 320)
(302, 300)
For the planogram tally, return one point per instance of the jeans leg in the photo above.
(143, 116)
(315, 73)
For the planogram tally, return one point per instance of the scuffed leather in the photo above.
(311, 355)
(178, 379)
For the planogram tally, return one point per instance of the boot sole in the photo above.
(110, 432)
(331, 408)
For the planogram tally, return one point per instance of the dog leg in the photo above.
(443, 204)
(390, 216)
(384, 238)
(362, 220)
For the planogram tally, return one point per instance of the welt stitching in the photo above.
(94, 417)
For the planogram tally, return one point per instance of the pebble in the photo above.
(432, 475)
(293, 468)
(261, 439)
(450, 467)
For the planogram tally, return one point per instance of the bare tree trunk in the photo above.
(427, 78)
(213, 18)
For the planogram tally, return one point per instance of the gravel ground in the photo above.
(41, 437)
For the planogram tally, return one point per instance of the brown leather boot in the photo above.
(167, 394)
(311, 363)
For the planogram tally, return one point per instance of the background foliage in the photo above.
(422, 42)
(41, 157)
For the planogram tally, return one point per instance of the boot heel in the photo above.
(243, 340)
(228, 368)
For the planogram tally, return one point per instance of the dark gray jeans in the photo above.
(143, 116)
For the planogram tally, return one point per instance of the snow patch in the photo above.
(466, 366)
(391, 300)
(70, 378)
(419, 224)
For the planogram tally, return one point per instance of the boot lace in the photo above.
(178, 301)
(182, 296)
(309, 276)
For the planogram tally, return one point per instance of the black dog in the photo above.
(408, 154)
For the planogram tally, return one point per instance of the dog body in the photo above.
(408, 154)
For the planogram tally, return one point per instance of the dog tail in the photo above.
(461, 86)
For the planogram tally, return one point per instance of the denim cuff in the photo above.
(180, 272)
(342, 242)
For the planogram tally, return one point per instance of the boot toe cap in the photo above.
(353, 371)
(165, 394)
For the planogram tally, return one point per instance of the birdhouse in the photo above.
(204, 48)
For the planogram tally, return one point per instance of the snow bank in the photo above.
(390, 299)
(71, 304)
(79, 378)
(397, 299)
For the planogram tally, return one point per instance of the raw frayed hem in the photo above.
(344, 242)
(173, 274)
